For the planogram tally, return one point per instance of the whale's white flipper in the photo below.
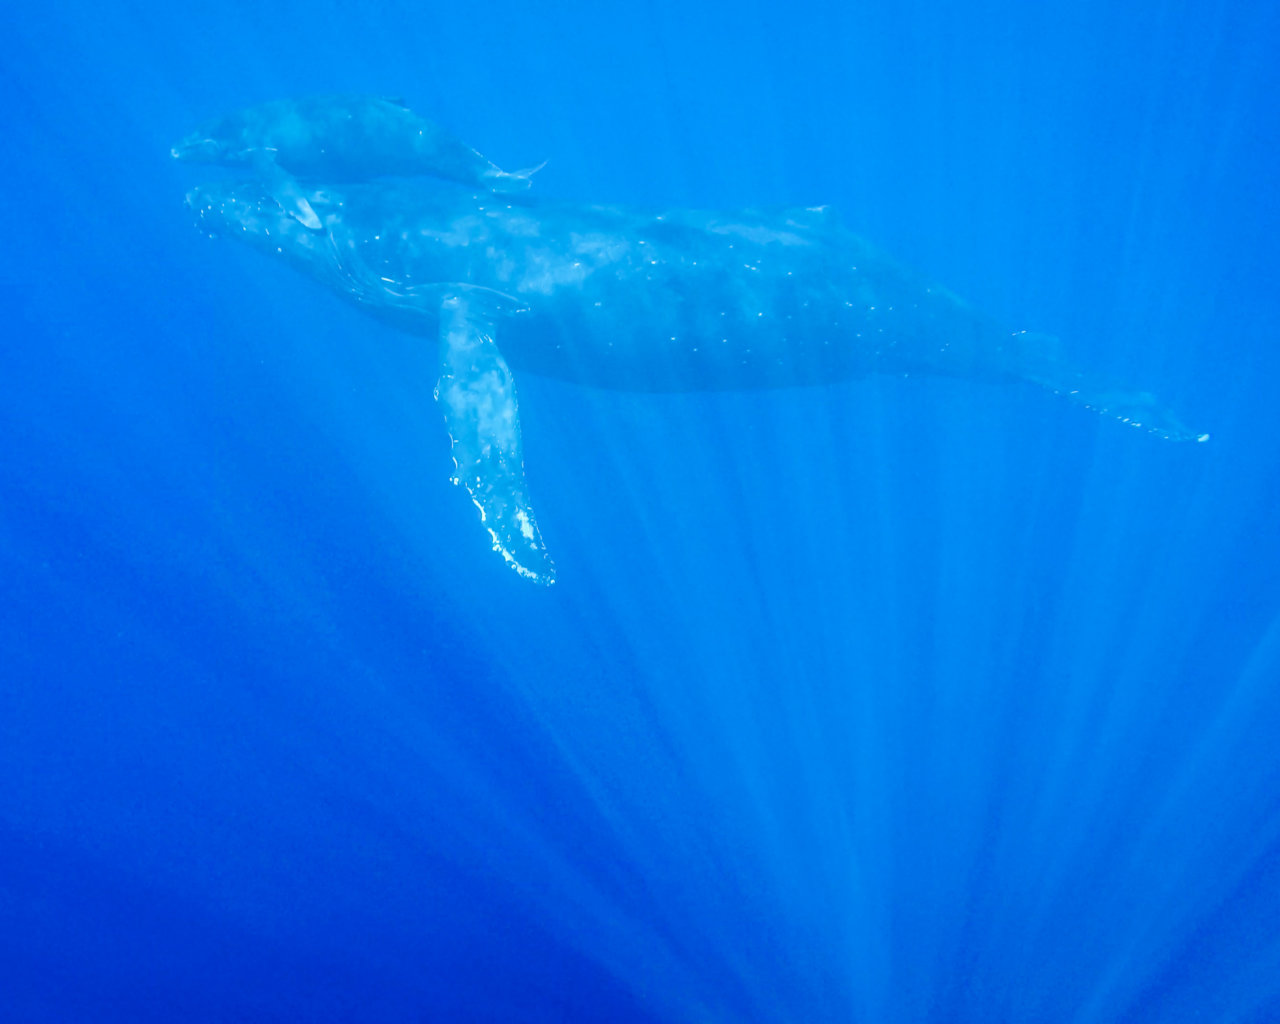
(477, 396)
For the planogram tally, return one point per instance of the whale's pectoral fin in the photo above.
(477, 395)
(284, 188)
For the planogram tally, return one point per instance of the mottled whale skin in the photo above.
(340, 139)
(634, 300)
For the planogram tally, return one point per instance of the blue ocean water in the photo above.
(901, 700)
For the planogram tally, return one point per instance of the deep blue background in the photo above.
(903, 700)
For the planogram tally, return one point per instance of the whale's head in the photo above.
(251, 212)
(231, 139)
(203, 147)
(239, 208)
(246, 136)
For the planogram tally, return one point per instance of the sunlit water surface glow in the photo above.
(899, 700)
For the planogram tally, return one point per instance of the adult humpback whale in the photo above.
(620, 298)
(340, 139)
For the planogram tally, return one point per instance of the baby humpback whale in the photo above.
(340, 139)
(634, 300)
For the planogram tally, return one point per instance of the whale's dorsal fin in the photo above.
(284, 188)
(477, 395)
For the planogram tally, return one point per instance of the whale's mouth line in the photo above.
(196, 149)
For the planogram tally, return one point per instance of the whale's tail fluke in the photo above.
(1139, 409)
(512, 181)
